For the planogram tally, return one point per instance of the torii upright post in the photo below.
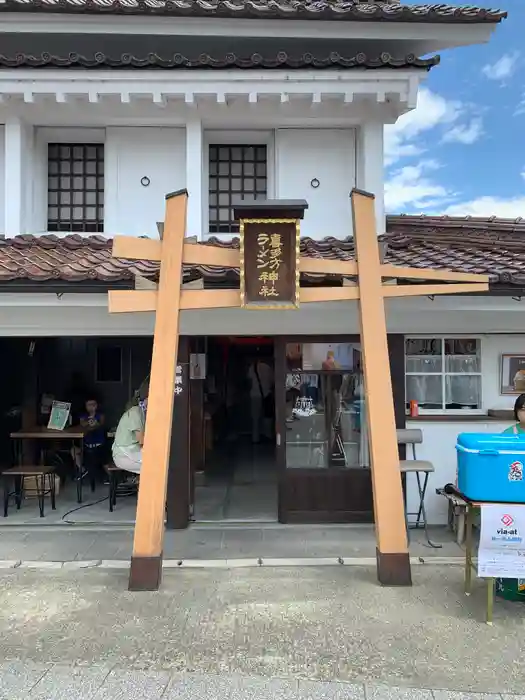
(393, 562)
(146, 562)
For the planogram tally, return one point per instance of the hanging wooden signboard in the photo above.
(270, 251)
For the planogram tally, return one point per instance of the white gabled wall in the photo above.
(172, 158)
(325, 155)
(133, 153)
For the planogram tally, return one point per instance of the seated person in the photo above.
(129, 439)
(92, 421)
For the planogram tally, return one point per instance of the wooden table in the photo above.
(471, 506)
(72, 434)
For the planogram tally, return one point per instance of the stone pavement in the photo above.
(271, 541)
(57, 682)
(244, 628)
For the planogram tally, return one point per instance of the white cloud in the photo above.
(452, 118)
(503, 68)
(465, 133)
(401, 138)
(411, 188)
(511, 208)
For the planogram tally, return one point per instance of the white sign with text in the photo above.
(501, 551)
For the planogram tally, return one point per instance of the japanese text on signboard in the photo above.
(270, 249)
(269, 262)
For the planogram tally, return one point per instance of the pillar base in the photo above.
(393, 569)
(145, 573)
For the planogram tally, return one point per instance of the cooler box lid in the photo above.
(491, 443)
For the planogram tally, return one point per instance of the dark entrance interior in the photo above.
(240, 477)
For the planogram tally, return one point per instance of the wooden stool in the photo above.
(114, 474)
(19, 474)
(112, 471)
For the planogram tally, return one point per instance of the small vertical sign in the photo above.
(179, 381)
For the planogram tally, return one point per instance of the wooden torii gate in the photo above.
(393, 563)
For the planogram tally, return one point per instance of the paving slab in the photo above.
(194, 686)
(385, 692)
(17, 679)
(133, 685)
(450, 695)
(319, 690)
(69, 683)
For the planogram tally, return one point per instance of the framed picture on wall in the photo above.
(512, 374)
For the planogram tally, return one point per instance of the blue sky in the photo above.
(462, 151)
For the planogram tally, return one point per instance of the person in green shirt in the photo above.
(519, 416)
(129, 439)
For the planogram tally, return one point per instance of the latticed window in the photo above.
(75, 187)
(236, 172)
(443, 374)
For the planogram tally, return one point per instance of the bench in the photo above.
(18, 474)
(457, 511)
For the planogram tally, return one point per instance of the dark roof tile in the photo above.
(464, 244)
(352, 10)
(177, 61)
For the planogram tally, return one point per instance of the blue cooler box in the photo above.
(491, 467)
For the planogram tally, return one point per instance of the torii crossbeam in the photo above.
(393, 563)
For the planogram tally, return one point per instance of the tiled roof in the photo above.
(353, 10)
(230, 60)
(488, 246)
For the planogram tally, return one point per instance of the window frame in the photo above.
(447, 411)
(227, 137)
(42, 138)
(82, 225)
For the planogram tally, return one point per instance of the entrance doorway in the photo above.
(239, 482)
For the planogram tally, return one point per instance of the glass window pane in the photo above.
(424, 365)
(424, 354)
(463, 392)
(462, 355)
(427, 390)
(461, 346)
(326, 422)
(323, 356)
(423, 346)
(462, 363)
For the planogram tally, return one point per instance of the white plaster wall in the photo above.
(328, 155)
(493, 347)
(2, 178)
(131, 153)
